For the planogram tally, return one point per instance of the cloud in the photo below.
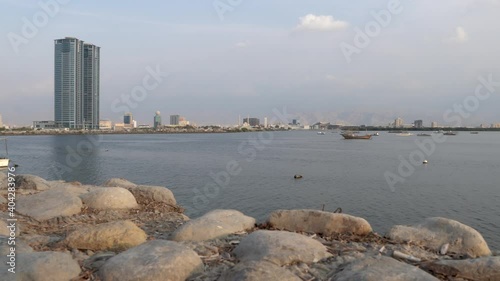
(330, 77)
(241, 45)
(460, 36)
(312, 22)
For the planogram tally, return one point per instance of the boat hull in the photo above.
(356, 137)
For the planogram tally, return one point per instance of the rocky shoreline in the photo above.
(123, 231)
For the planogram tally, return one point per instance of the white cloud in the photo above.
(320, 23)
(241, 45)
(460, 36)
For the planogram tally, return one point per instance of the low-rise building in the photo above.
(45, 125)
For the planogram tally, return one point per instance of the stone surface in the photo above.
(2, 200)
(46, 266)
(156, 260)
(119, 182)
(433, 233)
(118, 235)
(258, 271)
(319, 222)
(214, 224)
(31, 182)
(109, 198)
(3, 228)
(49, 204)
(382, 268)
(21, 247)
(280, 247)
(480, 269)
(146, 194)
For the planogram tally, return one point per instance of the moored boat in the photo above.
(406, 134)
(474, 133)
(423, 135)
(449, 133)
(351, 136)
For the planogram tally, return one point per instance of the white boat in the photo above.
(321, 133)
(407, 134)
(4, 160)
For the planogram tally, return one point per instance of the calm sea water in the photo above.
(460, 182)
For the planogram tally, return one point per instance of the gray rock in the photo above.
(258, 271)
(2, 200)
(98, 260)
(280, 247)
(40, 240)
(21, 247)
(74, 188)
(3, 181)
(118, 235)
(382, 268)
(146, 194)
(119, 182)
(214, 224)
(155, 260)
(3, 228)
(46, 266)
(433, 233)
(31, 182)
(319, 222)
(480, 269)
(49, 204)
(109, 198)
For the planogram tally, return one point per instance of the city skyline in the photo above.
(260, 57)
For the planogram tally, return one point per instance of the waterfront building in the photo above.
(434, 125)
(44, 125)
(418, 124)
(1, 122)
(174, 120)
(128, 119)
(265, 122)
(105, 125)
(398, 123)
(157, 120)
(253, 122)
(76, 84)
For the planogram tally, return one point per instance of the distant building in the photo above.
(418, 124)
(128, 119)
(265, 122)
(44, 125)
(174, 120)
(1, 122)
(434, 125)
(497, 125)
(253, 122)
(398, 123)
(183, 122)
(157, 120)
(105, 125)
(320, 126)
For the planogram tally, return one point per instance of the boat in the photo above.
(423, 135)
(376, 134)
(395, 132)
(4, 160)
(474, 133)
(449, 133)
(406, 134)
(351, 136)
(321, 133)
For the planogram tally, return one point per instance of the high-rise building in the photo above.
(157, 120)
(174, 120)
(265, 122)
(252, 121)
(398, 123)
(76, 84)
(418, 124)
(434, 125)
(128, 118)
(1, 122)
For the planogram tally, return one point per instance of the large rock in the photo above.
(280, 247)
(258, 271)
(21, 247)
(118, 235)
(214, 224)
(156, 260)
(382, 268)
(433, 233)
(49, 204)
(2, 200)
(480, 269)
(110, 198)
(31, 182)
(119, 182)
(146, 194)
(3, 180)
(45, 266)
(316, 221)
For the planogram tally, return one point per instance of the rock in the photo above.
(146, 194)
(155, 260)
(119, 182)
(3, 180)
(480, 269)
(40, 240)
(2, 200)
(49, 204)
(110, 198)
(31, 182)
(319, 222)
(118, 235)
(214, 224)
(280, 248)
(98, 260)
(72, 187)
(258, 271)
(382, 268)
(433, 233)
(21, 247)
(46, 266)
(3, 228)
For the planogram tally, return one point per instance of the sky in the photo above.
(218, 59)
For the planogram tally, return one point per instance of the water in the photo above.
(460, 182)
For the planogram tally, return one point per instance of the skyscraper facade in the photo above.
(76, 84)
(157, 120)
(174, 120)
(128, 119)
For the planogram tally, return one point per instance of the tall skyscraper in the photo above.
(1, 122)
(76, 84)
(418, 124)
(128, 118)
(174, 120)
(157, 120)
(398, 123)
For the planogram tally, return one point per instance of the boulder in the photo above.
(382, 268)
(109, 198)
(314, 221)
(31, 182)
(119, 182)
(146, 194)
(21, 247)
(49, 204)
(46, 266)
(214, 224)
(3, 180)
(280, 248)
(258, 271)
(155, 260)
(3, 228)
(433, 233)
(480, 269)
(2, 200)
(117, 235)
